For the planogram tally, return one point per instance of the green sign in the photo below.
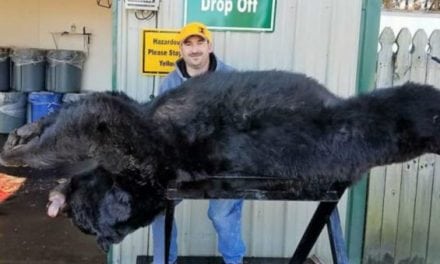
(253, 15)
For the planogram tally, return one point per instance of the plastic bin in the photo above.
(64, 71)
(42, 104)
(28, 70)
(12, 111)
(4, 69)
(72, 97)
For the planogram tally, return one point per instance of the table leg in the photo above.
(169, 217)
(317, 223)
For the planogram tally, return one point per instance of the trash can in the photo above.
(28, 70)
(4, 69)
(41, 104)
(64, 72)
(12, 111)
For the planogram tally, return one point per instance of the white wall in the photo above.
(29, 23)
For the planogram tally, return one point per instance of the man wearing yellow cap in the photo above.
(197, 58)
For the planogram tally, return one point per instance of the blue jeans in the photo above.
(226, 218)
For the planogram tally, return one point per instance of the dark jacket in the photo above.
(179, 74)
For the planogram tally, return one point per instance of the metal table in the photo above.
(264, 188)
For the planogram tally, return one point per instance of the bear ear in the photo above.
(114, 209)
(116, 206)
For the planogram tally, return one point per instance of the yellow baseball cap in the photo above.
(194, 29)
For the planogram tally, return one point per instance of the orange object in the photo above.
(9, 185)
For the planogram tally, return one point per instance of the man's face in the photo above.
(195, 52)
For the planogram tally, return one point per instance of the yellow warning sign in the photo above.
(160, 50)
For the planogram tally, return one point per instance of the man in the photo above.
(197, 57)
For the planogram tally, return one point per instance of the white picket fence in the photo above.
(404, 199)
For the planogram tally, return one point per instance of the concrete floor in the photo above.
(28, 235)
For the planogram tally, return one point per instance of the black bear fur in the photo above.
(122, 154)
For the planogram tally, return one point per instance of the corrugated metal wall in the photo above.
(319, 38)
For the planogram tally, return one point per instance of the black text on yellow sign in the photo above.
(160, 50)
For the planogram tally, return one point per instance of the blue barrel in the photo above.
(12, 111)
(42, 104)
